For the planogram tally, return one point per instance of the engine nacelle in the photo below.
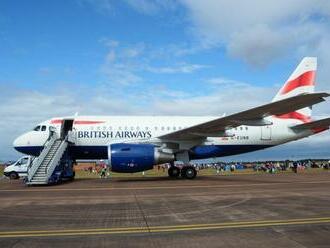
(129, 158)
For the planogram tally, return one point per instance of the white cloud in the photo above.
(257, 31)
(258, 46)
(124, 64)
(216, 81)
(180, 68)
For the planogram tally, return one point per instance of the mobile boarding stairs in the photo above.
(53, 162)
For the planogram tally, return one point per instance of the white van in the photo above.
(19, 168)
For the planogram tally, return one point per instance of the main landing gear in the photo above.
(187, 172)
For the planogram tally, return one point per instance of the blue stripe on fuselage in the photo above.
(198, 152)
(201, 152)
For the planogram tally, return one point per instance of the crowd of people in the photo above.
(101, 169)
(270, 167)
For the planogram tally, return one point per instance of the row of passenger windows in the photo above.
(44, 128)
(137, 128)
(148, 128)
(241, 128)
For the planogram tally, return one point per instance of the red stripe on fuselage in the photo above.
(305, 79)
(295, 115)
(59, 121)
(56, 121)
(88, 122)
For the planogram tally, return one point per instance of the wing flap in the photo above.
(245, 117)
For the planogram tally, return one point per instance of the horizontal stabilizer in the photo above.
(314, 125)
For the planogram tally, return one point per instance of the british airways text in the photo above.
(114, 134)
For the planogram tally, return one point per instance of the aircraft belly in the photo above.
(209, 151)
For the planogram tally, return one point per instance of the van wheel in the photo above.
(13, 175)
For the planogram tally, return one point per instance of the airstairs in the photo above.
(43, 168)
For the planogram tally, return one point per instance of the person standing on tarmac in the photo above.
(295, 167)
(103, 172)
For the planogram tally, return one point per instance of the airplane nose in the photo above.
(16, 143)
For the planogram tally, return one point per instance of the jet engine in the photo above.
(129, 158)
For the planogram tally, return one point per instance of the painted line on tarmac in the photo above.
(162, 187)
(160, 229)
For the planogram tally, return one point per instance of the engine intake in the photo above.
(129, 158)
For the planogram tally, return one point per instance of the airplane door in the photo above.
(266, 132)
(66, 127)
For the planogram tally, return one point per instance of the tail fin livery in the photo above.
(301, 81)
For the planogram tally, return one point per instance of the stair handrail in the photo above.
(57, 157)
(38, 160)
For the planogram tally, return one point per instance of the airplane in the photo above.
(138, 143)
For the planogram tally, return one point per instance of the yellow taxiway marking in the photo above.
(164, 187)
(158, 229)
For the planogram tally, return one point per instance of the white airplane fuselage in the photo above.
(93, 135)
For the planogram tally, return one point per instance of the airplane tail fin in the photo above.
(301, 81)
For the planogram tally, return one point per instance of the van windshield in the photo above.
(22, 161)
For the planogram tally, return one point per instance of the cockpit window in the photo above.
(43, 128)
(37, 128)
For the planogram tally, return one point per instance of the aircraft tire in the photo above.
(189, 172)
(174, 172)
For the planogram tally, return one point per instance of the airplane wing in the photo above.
(252, 116)
(319, 124)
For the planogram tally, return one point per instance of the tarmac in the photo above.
(264, 210)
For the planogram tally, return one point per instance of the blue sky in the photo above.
(155, 57)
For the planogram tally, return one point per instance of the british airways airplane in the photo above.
(137, 143)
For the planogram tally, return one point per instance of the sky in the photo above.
(156, 57)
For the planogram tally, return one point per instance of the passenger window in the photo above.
(37, 128)
(43, 128)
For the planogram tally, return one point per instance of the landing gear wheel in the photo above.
(13, 175)
(174, 172)
(189, 172)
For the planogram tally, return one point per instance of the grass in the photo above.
(163, 173)
(205, 172)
